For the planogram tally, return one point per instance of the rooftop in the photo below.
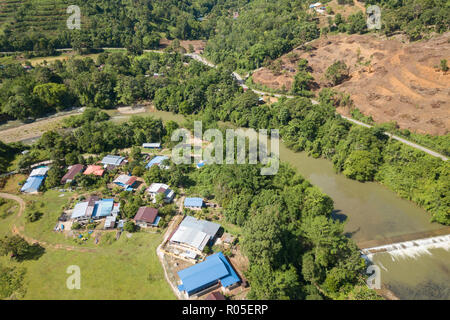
(201, 275)
(194, 232)
(125, 180)
(112, 160)
(32, 184)
(156, 160)
(193, 202)
(95, 170)
(72, 172)
(146, 214)
(152, 145)
(40, 171)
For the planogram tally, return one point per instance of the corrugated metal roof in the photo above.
(146, 214)
(79, 210)
(94, 169)
(73, 171)
(32, 184)
(105, 207)
(190, 236)
(210, 228)
(122, 179)
(110, 222)
(112, 160)
(152, 145)
(199, 276)
(41, 171)
(193, 202)
(155, 187)
(156, 160)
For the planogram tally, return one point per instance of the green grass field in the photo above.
(124, 269)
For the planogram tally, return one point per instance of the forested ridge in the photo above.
(242, 33)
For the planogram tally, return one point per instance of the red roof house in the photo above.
(73, 171)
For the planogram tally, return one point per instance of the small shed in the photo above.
(152, 145)
(193, 203)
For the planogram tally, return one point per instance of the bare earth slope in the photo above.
(390, 80)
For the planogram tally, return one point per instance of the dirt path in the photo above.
(160, 255)
(19, 230)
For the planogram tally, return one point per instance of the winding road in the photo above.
(241, 81)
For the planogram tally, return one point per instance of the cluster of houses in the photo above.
(214, 272)
(187, 241)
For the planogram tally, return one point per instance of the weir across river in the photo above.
(410, 248)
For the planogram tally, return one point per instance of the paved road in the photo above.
(409, 143)
(240, 80)
(241, 83)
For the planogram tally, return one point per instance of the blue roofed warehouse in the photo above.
(215, 270)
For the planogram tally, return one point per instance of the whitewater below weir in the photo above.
(409, 249)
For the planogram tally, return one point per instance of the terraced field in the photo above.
(47, 16)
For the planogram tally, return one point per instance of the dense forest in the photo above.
(120, 23)
(242, 34)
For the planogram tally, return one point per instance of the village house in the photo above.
(157, 160)
(126, 182)
(153, 145)
(95, 170)
(35, 180)
(194, 235)
(111, 161)
(147, 217)
(94, 208)
(160, 188)
(71, 173)
(193, 203)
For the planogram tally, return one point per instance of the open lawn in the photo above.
(127, 268)
(7, 208)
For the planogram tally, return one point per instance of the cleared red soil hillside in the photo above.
(390, 80)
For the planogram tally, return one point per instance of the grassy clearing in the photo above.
(7, 208)
(50, 204)
(127, 269)
(12, 184)
(124, 269)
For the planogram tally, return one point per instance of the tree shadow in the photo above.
(338, 215)
(34, 252)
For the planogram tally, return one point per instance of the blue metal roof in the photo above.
(103, 208)
(156, 160)
(32, 184)
(113, 160)
(193, 202)
(201, 275)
